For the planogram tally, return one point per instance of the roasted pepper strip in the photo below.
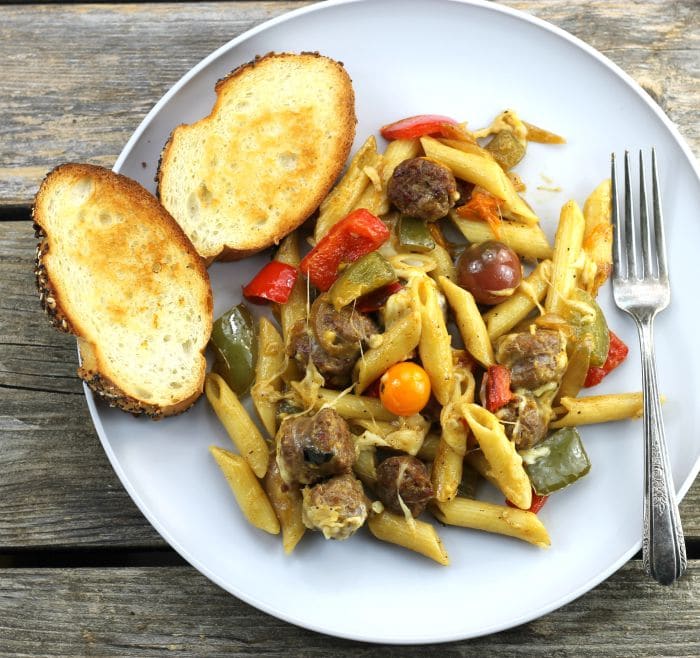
(556, 462)
(497, 391)
(417, 126)
(354, 236)
(414, 235)
(373, 301)
(371, 272)
(234, 344)
(617, 353)
(273, 283)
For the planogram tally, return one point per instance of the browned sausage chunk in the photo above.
(336, 507)
(533, 359)
(312, 448)
(407, 477)
(332, 340)
(422, 188)
(524, 421)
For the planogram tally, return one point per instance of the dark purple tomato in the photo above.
(490, 271)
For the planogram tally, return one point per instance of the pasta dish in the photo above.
(431, 339)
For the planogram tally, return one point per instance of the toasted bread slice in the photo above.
(116, 270)
(252, 171)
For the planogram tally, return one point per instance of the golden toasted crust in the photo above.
(103, 235)
(262, 161)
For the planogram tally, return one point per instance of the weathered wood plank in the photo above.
(58, 488)
(162, 611)
(82, 102)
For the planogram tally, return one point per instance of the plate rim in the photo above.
(153, 519)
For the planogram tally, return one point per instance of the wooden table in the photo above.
(81, 571)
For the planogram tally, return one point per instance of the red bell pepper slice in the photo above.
(272, 283)
(617, 353)
(374, 300)
(536, 505)
(497, 388)
(354, 236)
(417, 126)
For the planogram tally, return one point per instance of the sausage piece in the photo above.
(422, 188)
(312, 448)
(533, 359)
(336, 507)
(407, 477)
(524, 421)
(332, 340)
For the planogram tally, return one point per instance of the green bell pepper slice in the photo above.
(589, 325)
(365, 275)
(556, 462)
(234, 343)
(506, 149)
(414, 235)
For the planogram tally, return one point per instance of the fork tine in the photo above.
(658, 220)
(617, 241)
(629, 223)
(645, 227)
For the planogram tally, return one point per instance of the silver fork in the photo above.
(643, 292)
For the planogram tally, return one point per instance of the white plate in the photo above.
(469, 60)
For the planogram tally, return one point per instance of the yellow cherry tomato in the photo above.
(404, 389)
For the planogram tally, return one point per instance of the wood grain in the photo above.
(82, 102)
(176, 611)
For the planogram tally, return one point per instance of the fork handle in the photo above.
(663, 545)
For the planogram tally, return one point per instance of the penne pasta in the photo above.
(469, 322)
(435, 341)
(417, 536)
(351, 406)
(286, 502)
(506, 315)
(506, 463)
(444, 265)
(268, 370)
(397, 344)
(233, 416)
(500, 519)
(482, 171)
(345, 195)
(566, 258)
(599, 409)
(597, 238)
(251, 498)
(294, 309)
(526, 241)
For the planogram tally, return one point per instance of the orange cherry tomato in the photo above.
(404, 389)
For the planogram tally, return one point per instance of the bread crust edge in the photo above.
(50, 302)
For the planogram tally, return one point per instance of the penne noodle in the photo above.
(469, 322)
(428, 451)
(500, 519)
(506, 463)
(482, 171)
(365, 466)
(398, 342)
(444, 265)
(527, 241)
(417, 536)
(506, 315)
(566, 258)
(294, 309)
(268, 370)
(599, 409)
(251, 498)
(242, 430)
(597, 238)
(435, 341)
(286, 502)
(352, 407)
(446, 473)
(344, 196)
